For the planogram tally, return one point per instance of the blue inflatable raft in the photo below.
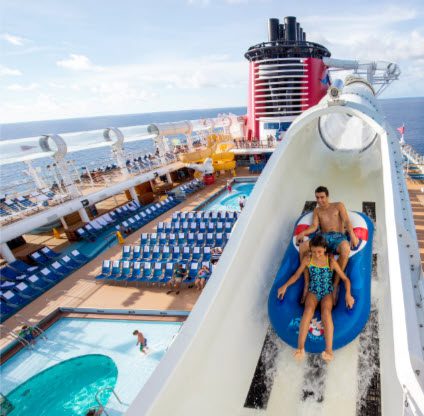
(285, 315)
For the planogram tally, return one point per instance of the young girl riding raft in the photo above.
(319, 268)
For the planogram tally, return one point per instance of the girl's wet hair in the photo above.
(318, 241)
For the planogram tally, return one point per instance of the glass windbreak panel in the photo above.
(85, 140)
(136, 133)
(23, 149)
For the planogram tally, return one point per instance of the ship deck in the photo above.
(80, 290)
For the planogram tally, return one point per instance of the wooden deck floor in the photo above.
(80, 290)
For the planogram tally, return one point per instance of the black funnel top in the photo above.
(286, 40)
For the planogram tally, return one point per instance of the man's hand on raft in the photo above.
(299, 238)
(354, 241)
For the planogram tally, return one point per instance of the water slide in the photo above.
(345, 144)
(218, 146)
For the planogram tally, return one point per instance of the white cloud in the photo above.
(13, 39)
(6, 71)
(78, 63)
(20, 87)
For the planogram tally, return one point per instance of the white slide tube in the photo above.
(210, 366)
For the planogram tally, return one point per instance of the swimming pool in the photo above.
(68, 388)
(73, 337)
(229, 201)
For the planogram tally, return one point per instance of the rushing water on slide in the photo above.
(313, 387)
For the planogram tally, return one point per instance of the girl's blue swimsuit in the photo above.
(320, 280)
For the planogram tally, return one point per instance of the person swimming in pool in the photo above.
(332, 219)
(320, 289)
(141, 341)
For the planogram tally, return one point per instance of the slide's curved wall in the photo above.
(209, 368)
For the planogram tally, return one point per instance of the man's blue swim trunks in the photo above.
(334, 239)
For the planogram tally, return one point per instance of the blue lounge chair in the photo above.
(200, 239)
(176, 253)
(190, 239)
(202, 227)
(211, 227)
(22, 267)
(168, 228)
(49, 253)
(136, 253)
(79, 257)
(60, 269)
(70, 263)
(48, 275)
(219, 227)
(172, 239)
(106, 270)
(144, 239)
(210, 239)
(192, 273)
(8, 273)
(177, 226)
(206, 253)
(126, 271)
(160, 227)
(5, 310)
(84, 235)
(185, 227)
(156, 253)
(153, 239)
(163, 237)
(186, 253)
(40, 258)
(166, 254)
(146, 253)
(13, 300)
(116, 270)
(219, 240)
(27, 292)
(38, 282)
(147, 272)
(136, 272)
(157, 272)
(126, 252)
(182, 239)
(169, 272)
(228, 227)
(196, 253)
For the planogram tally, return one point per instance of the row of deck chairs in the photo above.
(187, 188)
(183, 239)
(22, 205)
(131, 215)
(21, 283)
(201, 216)
(167, 253)
(147, 272)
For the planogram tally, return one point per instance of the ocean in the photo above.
(407, 111)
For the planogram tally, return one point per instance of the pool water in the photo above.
(229, 201)
(68, 388)
(69, 338)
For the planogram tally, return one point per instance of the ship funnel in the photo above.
(341, 129)
(273, 30)
(290, 28)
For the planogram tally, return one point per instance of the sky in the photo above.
(80, 58)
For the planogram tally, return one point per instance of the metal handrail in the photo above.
(23, 320)
(21, 340)
(114, 393)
